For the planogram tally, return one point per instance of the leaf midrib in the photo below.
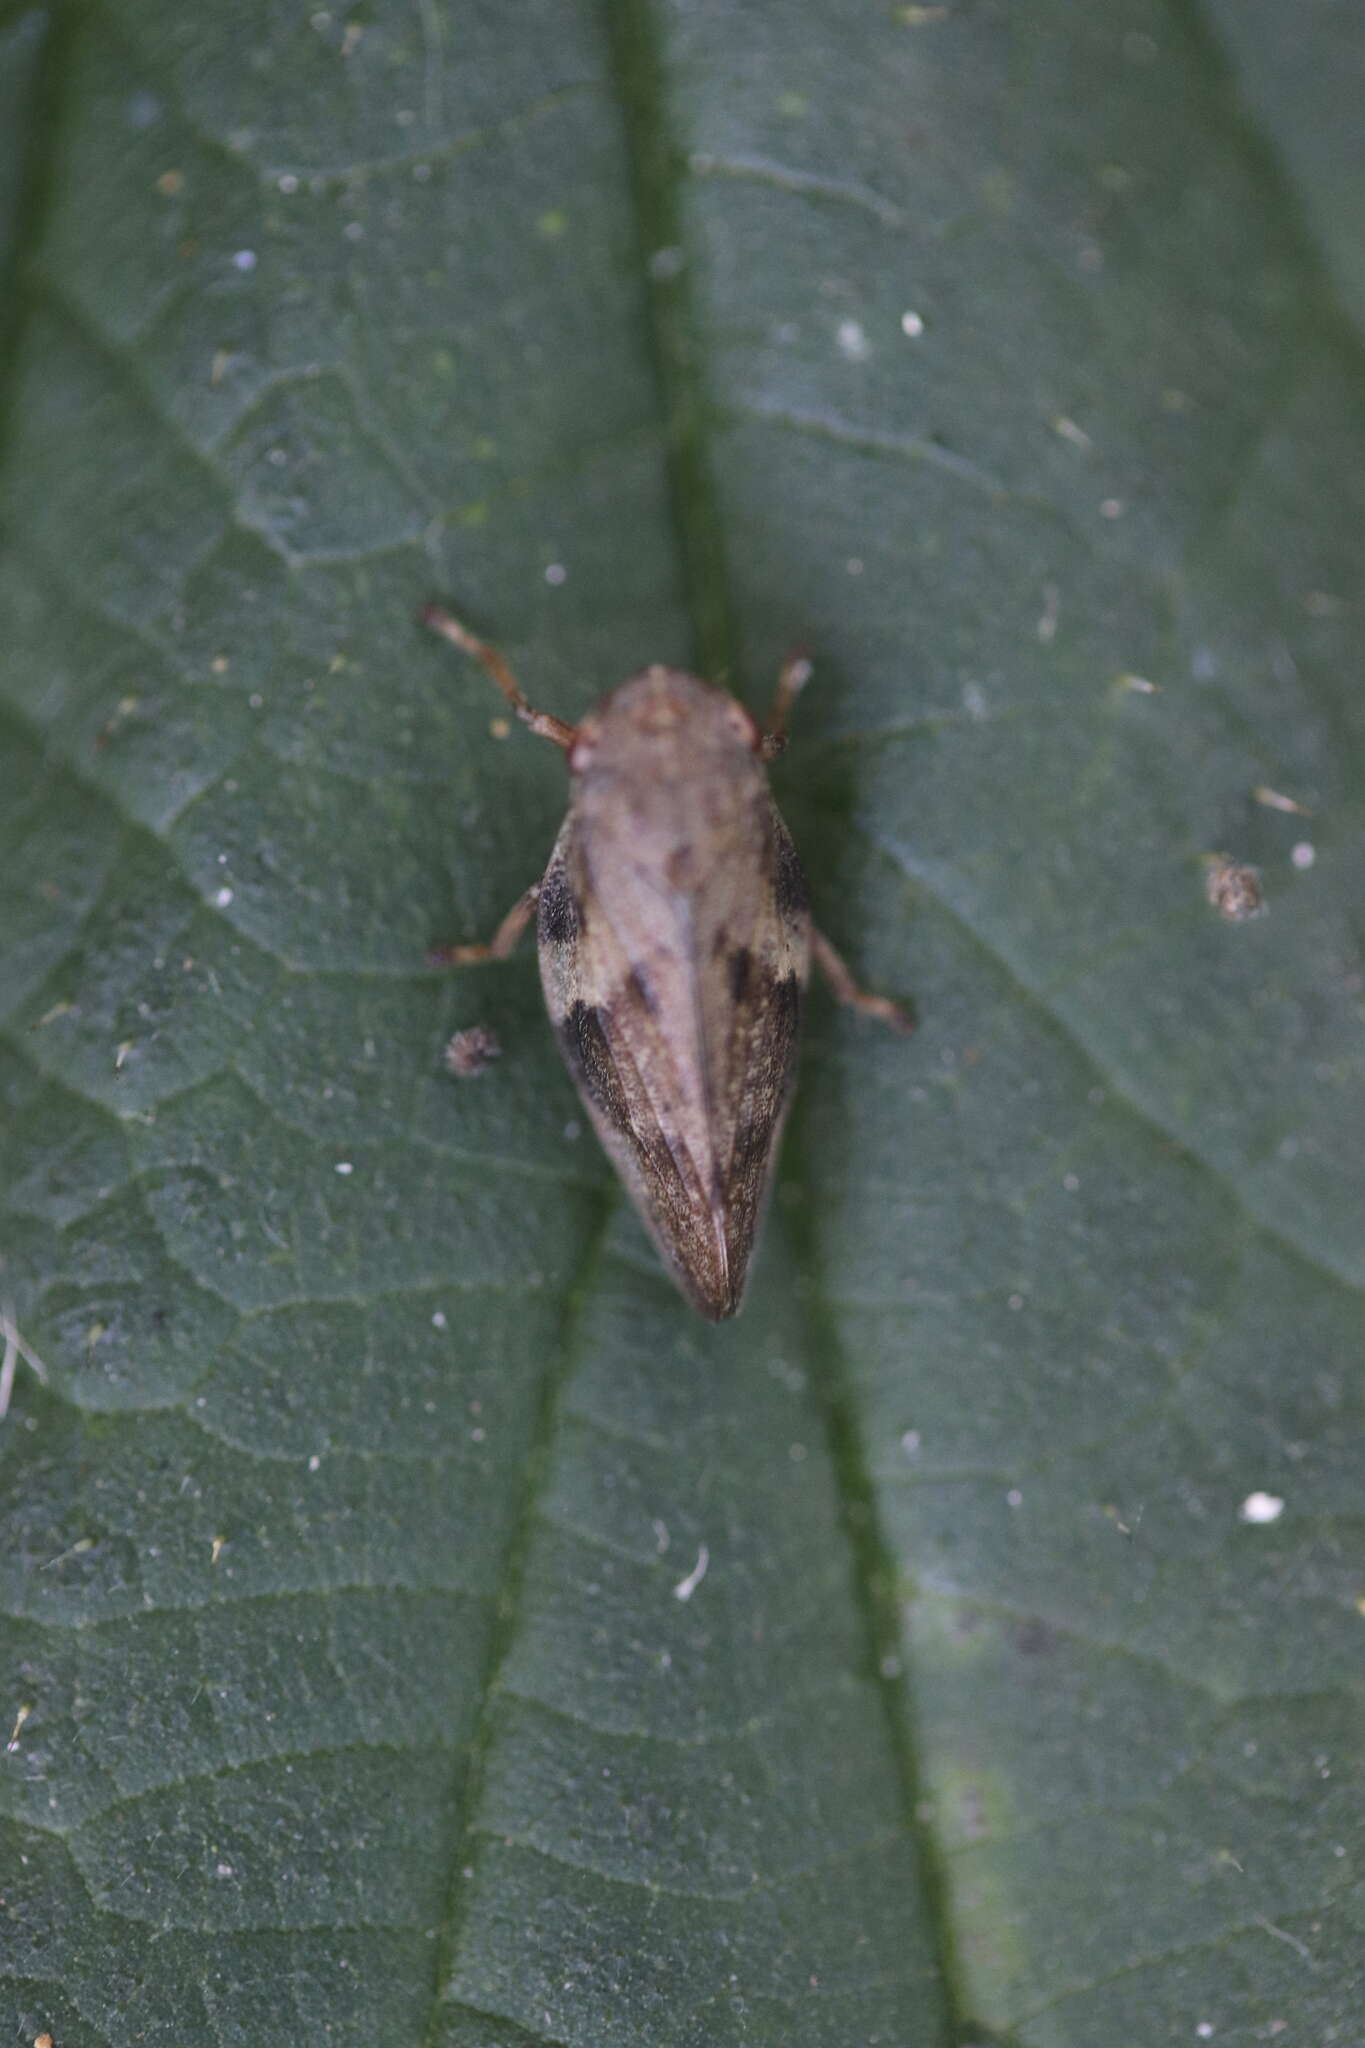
(656, 172)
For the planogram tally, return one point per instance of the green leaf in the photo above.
(364, 1678)
(1305, 91)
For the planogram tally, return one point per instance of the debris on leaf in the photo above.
(1276, 800)
(470, 1051)
(15, 1349)
(1233, 888)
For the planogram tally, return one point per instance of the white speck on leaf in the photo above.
(1276, 800)
(344, 1166)
(1261, 1507)
(222, 898)
(1304, 854)
(853, 342)
(245, 260)
(912, 325)
(1069, 431)
(555, 574)
(685, 1588)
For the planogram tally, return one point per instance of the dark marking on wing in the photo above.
(748, 1173)
(600, 1059)
(586, 1049)
(786, 1016)
(741, 967)
(680, 868)
(789, 883)
(774, 1016)
(593, 1063)
(642, 990)
(559, 920)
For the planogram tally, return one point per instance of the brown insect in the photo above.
(675, 946)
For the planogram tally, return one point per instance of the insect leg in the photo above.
(846, 990)
(543, 722)
(792, 678)
(502, 942)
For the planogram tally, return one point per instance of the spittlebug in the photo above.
(675, 944)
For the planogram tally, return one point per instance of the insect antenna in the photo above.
(792, 678)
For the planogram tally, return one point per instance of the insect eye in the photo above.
(743, 726)
(581, 752)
